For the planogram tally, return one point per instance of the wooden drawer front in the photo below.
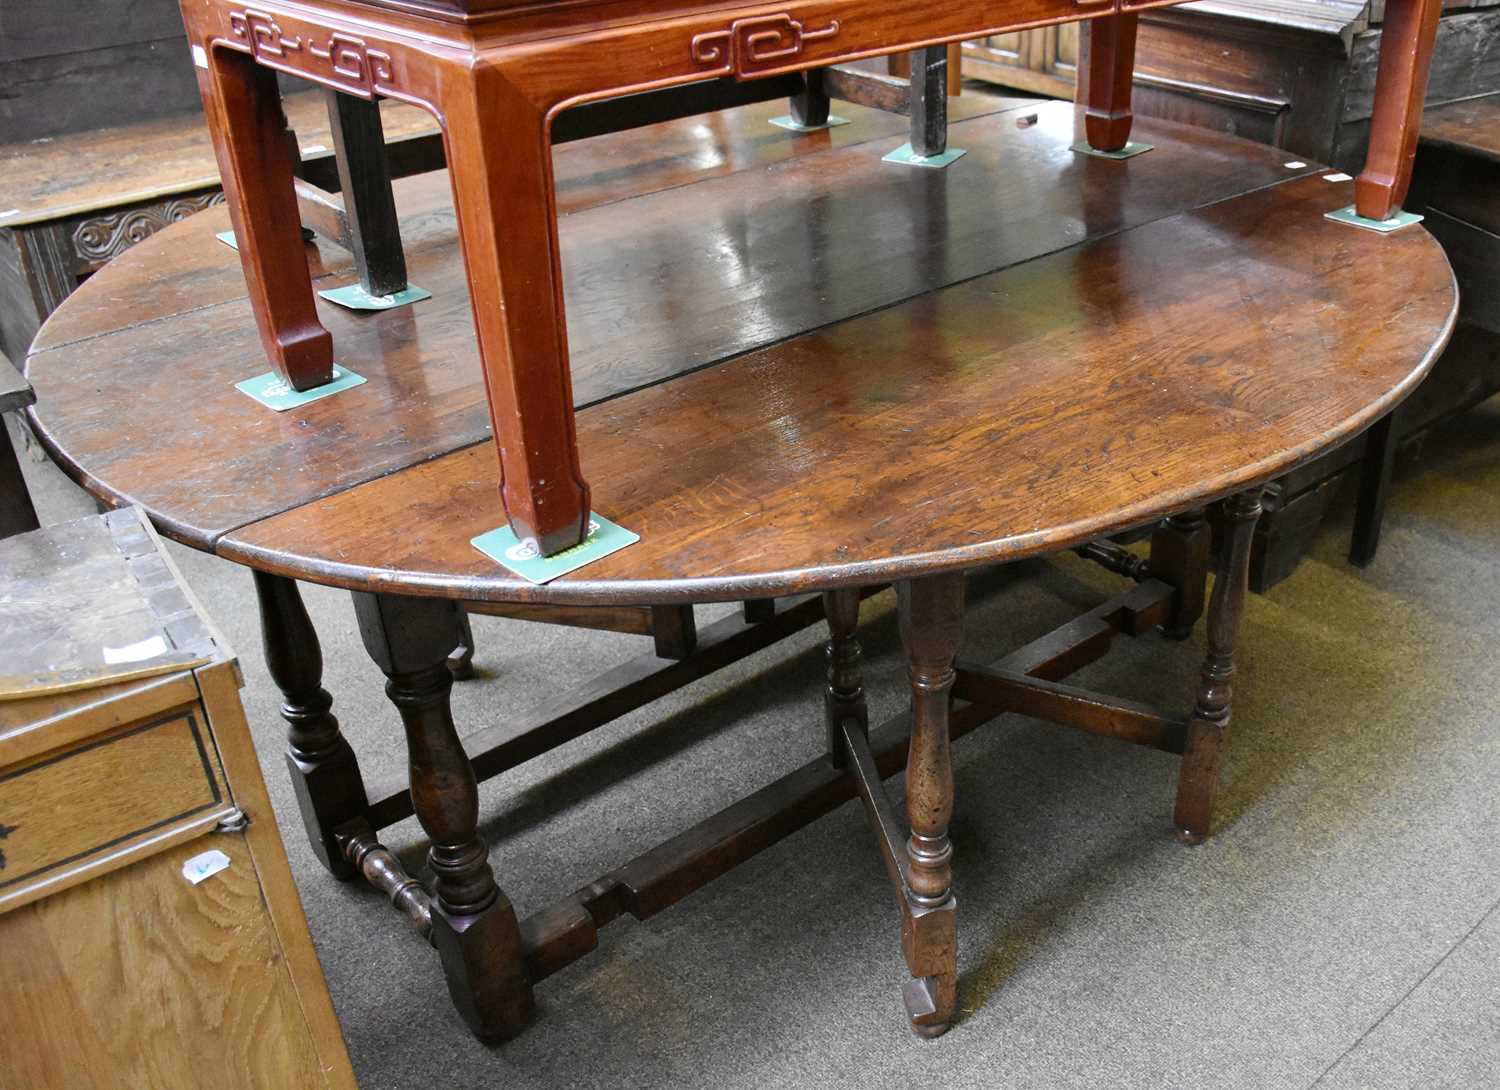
(93, 806)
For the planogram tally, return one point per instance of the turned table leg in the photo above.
(844, 694)
(1406, 43)
(325, 773)
(1179, 556)
(1208, 726)
(931, 614)
(473, 924)
(1106, 68)
(507, 221)
(243, 107)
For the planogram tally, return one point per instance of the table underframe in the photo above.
(493, 958)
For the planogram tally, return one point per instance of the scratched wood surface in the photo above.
(660, 284)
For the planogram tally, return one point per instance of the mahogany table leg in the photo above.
(473, 924)
(1406, 44)
(325, 773)
(844, 694)
(243, 107)
(1179, 556)
(931, 614)
(507, 219)
(1208, 726)
(1105, 69)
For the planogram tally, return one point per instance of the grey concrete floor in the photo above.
(1338, 931)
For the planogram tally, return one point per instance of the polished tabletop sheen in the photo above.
(815, 370)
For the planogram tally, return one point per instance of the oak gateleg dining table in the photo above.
(794, 393)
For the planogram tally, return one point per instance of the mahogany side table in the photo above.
(1208, 331)
(498, 74)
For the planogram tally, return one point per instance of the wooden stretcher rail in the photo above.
(563, 932)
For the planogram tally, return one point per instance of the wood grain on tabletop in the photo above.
(657, 285)
(1011, 414)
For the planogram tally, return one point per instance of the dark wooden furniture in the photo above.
(1454, 186)
(1299, 75)
(119, 971)
(940, 375)
(1296, 74)
(501, 75)
(17, 513)
(70, 203)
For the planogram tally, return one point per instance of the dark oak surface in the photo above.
(657, 285)
(1009, 413)
(1471, 126)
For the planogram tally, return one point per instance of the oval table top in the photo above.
(814, 371)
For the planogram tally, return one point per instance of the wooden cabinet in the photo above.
(1297, 74)
(1044, 61)
(120, 971)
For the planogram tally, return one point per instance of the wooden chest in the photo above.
(131, 961)
(1296, 74)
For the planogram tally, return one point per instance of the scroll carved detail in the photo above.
(343, 61)
(749, 45)
(100, 238)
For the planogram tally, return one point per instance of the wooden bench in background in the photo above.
(68, 205)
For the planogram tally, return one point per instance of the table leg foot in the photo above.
(924, 997)
(810, 107)
(1208, 726)
(931, 617)
(1106, 67)
(324, 771)
(474, 927)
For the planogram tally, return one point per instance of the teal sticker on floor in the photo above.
(1129, 151)
(272, 392)
(905, 155)
(503, 547)
(228, 239)
(355, 297)
(1354, 219)
(787, 121)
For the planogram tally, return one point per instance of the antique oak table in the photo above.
(857, 376)
(499, 75)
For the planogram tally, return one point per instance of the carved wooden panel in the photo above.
(99, 238)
